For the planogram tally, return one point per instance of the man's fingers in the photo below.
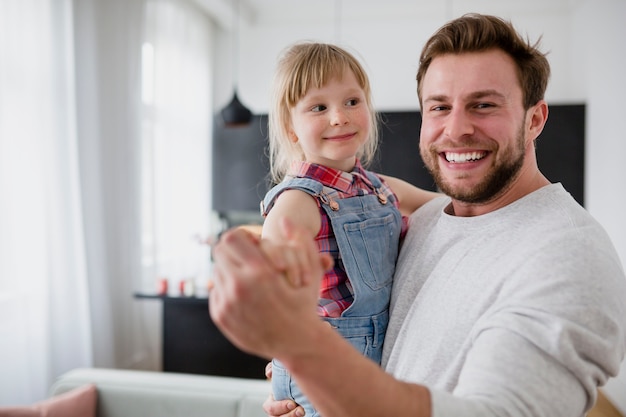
(237, 259)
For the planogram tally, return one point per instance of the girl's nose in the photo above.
(338, 117)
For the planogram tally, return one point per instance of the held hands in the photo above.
(265, 292)
(292, 257)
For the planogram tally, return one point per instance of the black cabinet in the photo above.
(193, 344)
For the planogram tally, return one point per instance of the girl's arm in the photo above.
(300, 210)
(409, 196)
(297, 206)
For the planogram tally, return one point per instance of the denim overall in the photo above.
(367, 230)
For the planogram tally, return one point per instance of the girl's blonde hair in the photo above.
(304, 66)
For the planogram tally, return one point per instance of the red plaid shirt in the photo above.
(336, 292)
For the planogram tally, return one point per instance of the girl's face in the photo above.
(332, 123)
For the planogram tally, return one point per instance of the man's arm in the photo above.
(261, 313)
(339, 381)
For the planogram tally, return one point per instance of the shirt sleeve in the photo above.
(556, 333)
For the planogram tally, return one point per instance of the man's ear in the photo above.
(537, 118)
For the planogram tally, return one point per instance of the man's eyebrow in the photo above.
(487, 93)
(473, 96)
(436, 97)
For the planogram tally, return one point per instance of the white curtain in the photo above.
(107, 45)
(44, 313)
(99, 189)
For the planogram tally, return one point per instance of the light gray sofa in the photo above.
(128, 393)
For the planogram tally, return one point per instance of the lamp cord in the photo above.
(235, 52)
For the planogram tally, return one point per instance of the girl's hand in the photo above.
(286, 408)
(275, 408)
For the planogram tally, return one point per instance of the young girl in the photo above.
(322, 132)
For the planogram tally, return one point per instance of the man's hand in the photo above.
(257, 304)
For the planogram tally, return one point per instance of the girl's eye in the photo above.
(352, 102)
(318, 108)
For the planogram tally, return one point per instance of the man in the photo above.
(508, 298)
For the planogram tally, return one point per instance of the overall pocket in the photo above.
(374, 248)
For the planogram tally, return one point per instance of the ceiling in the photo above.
(267, 11)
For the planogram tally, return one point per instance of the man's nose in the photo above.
(458, 124)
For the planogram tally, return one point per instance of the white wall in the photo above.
(587, 55)
(599, 33)
(388, 44)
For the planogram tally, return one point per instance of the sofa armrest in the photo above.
(126, 393)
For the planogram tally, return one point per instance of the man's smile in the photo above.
(459, 157)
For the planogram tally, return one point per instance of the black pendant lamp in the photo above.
(235, 113)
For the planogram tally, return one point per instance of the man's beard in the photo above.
(491, 186)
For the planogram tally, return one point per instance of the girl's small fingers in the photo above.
(290, 259)
(275, 254)
(295, 269)
(327, 261)
(268, 370)
(304, 266)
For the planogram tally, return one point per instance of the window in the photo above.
(176, 139)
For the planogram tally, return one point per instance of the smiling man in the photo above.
(508, 297)
(478, 138)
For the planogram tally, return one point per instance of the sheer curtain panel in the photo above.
(107, 45)
(44, 310)
(100, 190)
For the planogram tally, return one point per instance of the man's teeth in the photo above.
(464, 157)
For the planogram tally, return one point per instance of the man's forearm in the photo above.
(340, 382)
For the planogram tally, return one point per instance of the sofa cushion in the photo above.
(132, 393)
(79, 402)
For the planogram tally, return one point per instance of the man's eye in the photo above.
(439, 108)
(484, 105)
(318, 108)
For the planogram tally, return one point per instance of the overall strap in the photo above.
(374, 179)
(309, 186)
(381, 190)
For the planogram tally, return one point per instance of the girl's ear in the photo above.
(293, 137)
